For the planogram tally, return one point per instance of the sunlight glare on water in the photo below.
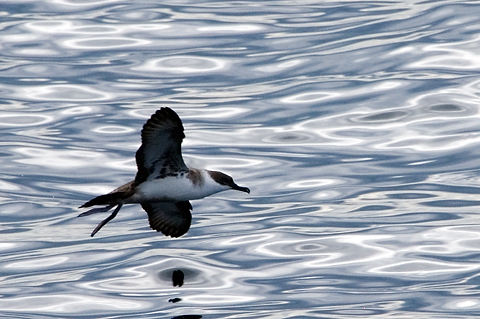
(354, 124)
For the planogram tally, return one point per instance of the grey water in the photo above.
(355, 124)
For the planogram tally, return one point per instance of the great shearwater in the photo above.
(164, 185)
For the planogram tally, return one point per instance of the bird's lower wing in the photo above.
(171, 218)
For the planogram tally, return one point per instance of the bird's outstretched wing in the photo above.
(160, 154)
(171, 218)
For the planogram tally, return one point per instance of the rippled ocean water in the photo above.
(354, 123)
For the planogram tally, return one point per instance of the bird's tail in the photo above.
(113, 198)
(107, 199)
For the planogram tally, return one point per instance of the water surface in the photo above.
(354, 124)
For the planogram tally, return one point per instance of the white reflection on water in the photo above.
(312, 183)
(282, 67)
(184, 64)
(66, 26)
(65, 92)
(69, 27)
(104, 43)
(37, 263)
(401, 127)
(8, 186)
(111, 129)
(71, 304)
(453, 55)
(228, 28)
(60, 159)
(24, 120)
(311, 97)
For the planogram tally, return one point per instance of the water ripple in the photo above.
(183, 64)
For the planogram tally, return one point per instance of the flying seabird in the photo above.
(164, 185)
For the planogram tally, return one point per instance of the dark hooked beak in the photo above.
(240, 188)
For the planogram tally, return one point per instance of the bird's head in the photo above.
(224, 179)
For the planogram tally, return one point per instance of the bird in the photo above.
(163, 185)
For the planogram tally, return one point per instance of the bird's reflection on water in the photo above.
(174, 300)
(177, 280)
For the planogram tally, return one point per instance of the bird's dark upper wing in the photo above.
(161, 151)
(171, 218)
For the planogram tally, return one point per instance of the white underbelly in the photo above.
(172, 189)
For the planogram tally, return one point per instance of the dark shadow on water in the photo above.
(177, 278)
(174, 300)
